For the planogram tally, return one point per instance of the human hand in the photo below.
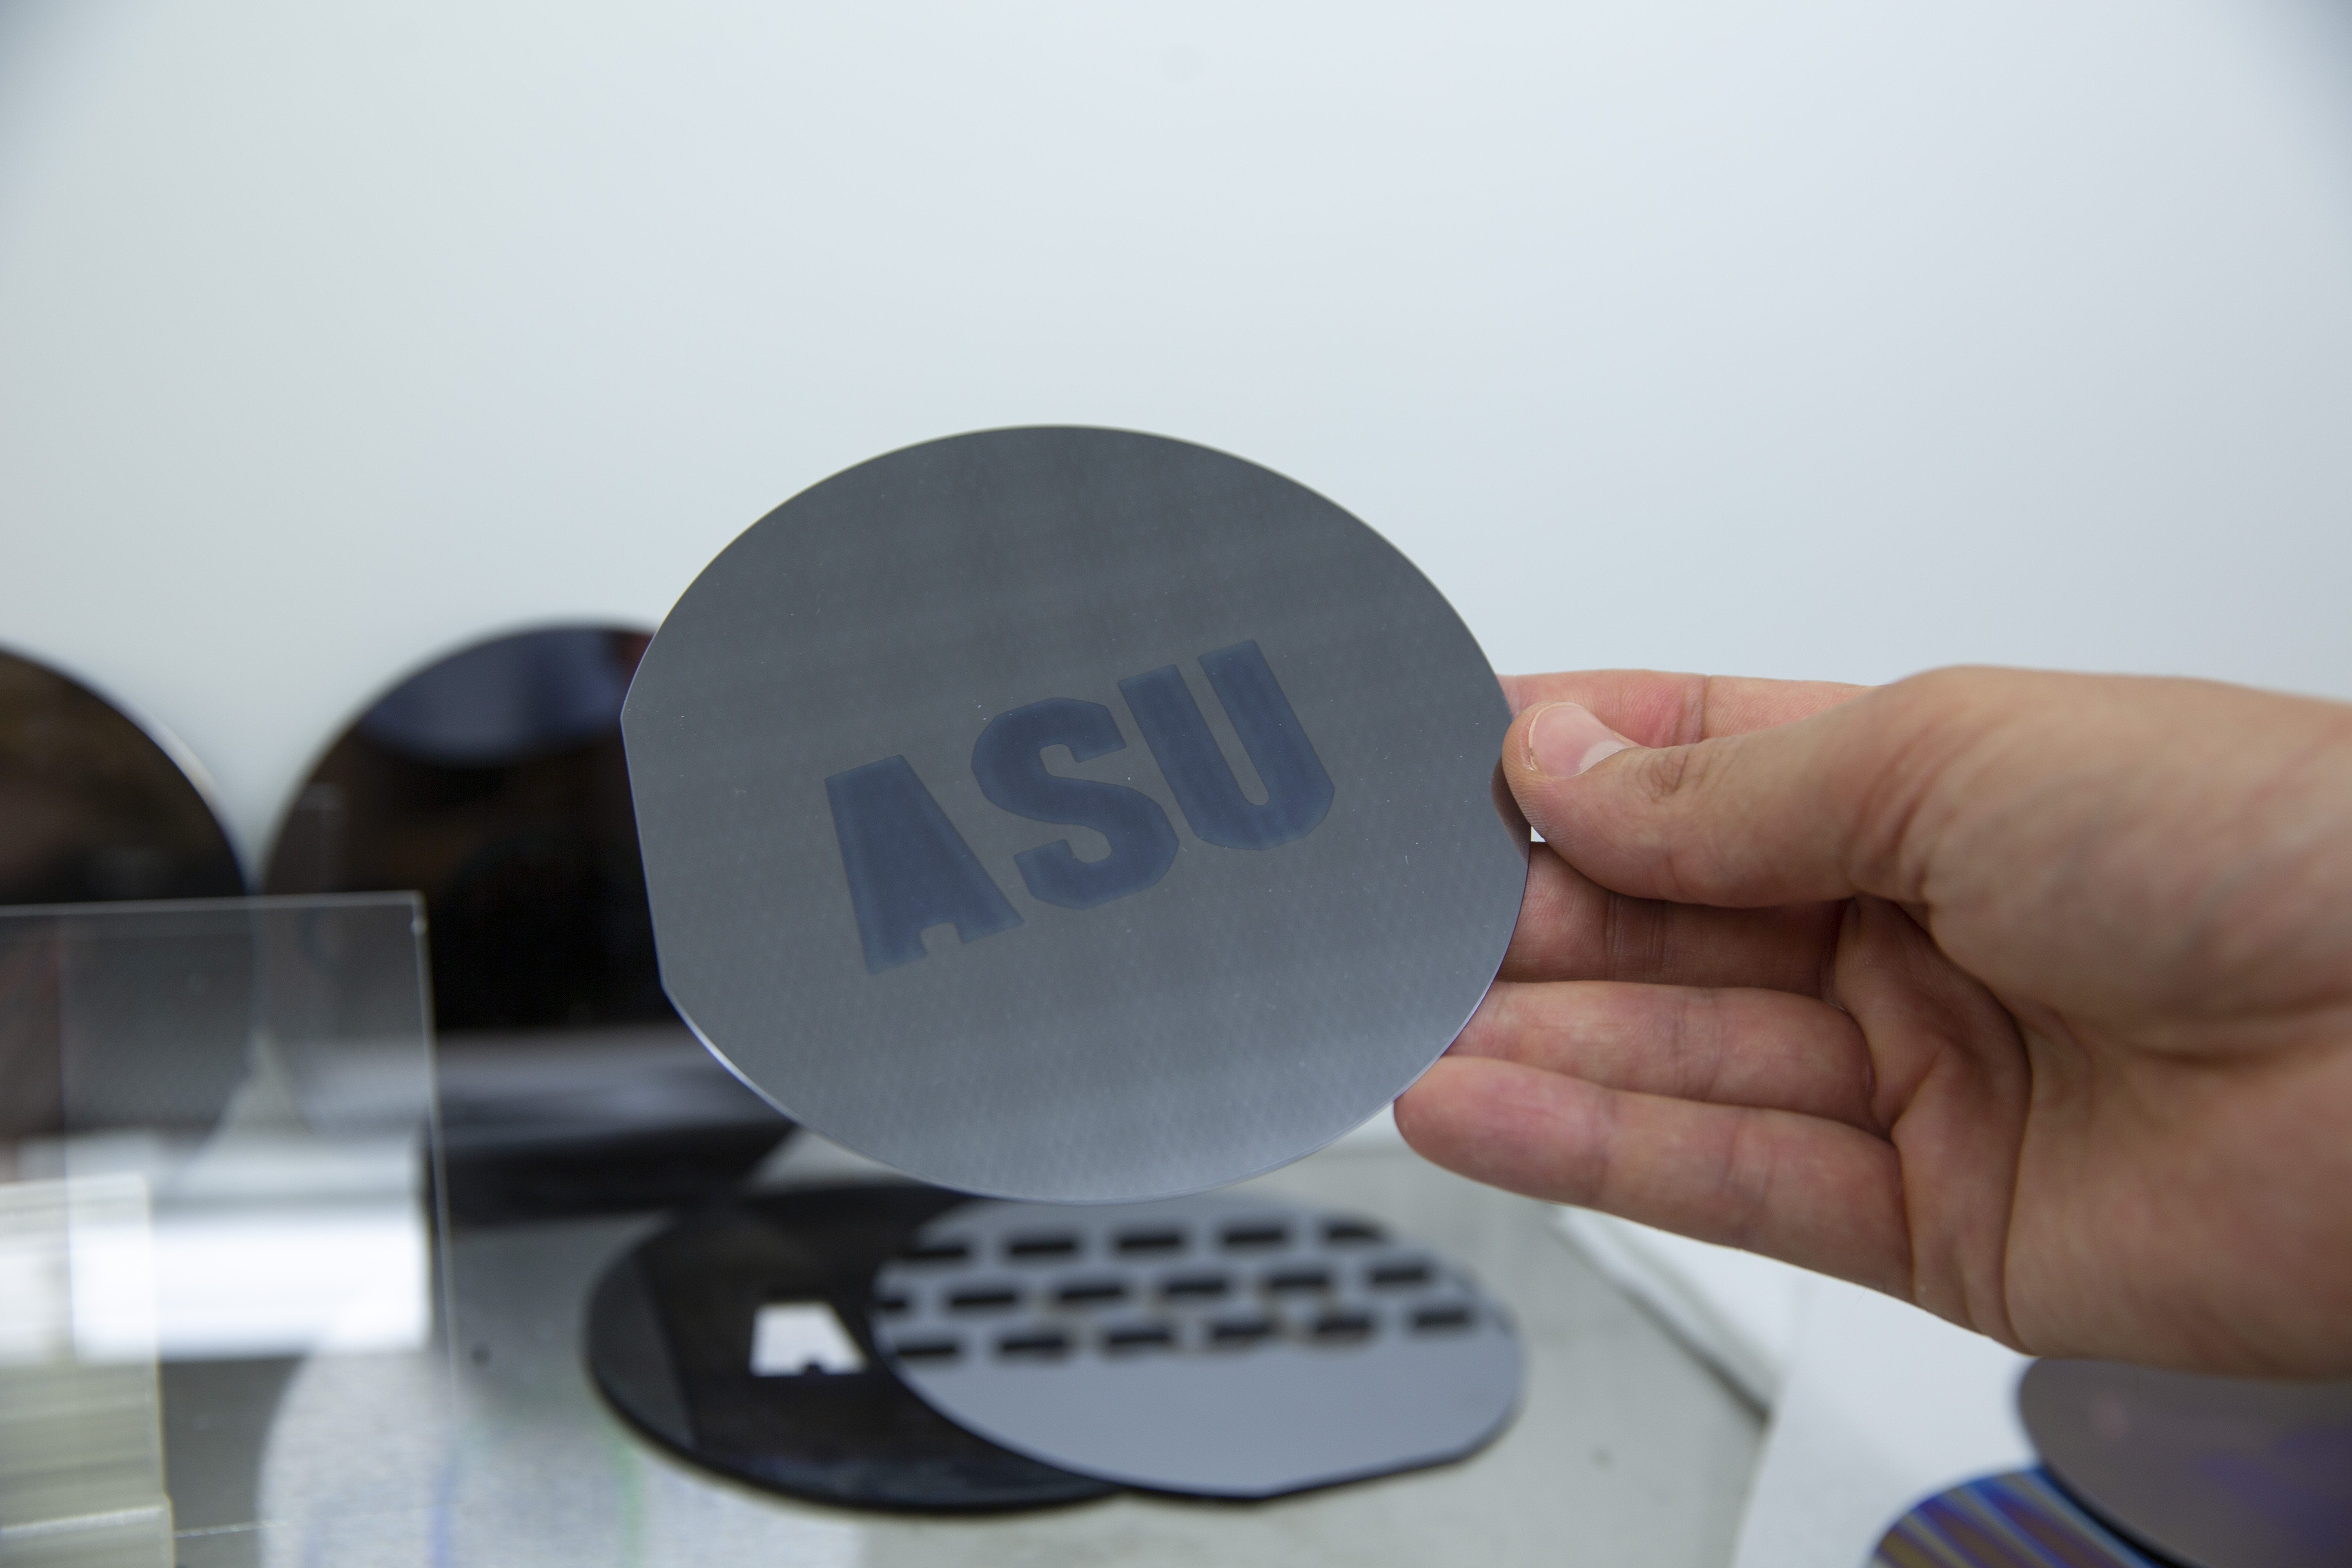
(2024, 997)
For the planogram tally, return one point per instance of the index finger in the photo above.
(1652, 707)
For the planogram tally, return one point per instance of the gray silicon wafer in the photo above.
(1212, 1345)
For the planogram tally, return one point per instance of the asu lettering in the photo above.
(908, 868)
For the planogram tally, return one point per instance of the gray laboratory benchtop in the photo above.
(1625, 1451)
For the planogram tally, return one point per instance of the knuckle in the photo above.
(1590, 1178)
(1680, 790)
(1698, 1029)
(1951, 703)
(1634, 939)
(1746, 1188)
(1675, 776)
(1936, 692)
(1903, 794)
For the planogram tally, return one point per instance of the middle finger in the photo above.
(1572, 928)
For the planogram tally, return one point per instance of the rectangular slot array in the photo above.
(1336, 1327)
(1284, 1286)
(985, 1298)
(1330, 1327)
(1036, 1344)
(1236, 1331)
(939, 1252)
(928, 1350)
(1294, 1281)
(1245, 1237)
(1149, 1243)
(1090, 1292)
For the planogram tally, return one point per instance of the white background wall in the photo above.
(1793, 337)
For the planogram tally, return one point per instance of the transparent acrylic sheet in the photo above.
(218, 1341)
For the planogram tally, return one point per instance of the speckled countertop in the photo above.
(1625, 1451)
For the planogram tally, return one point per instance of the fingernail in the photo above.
(1564, 739)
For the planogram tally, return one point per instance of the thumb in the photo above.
(1769, 817)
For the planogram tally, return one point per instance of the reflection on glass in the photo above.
(269, 1242)
(81, 1459)
(220, 1188)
